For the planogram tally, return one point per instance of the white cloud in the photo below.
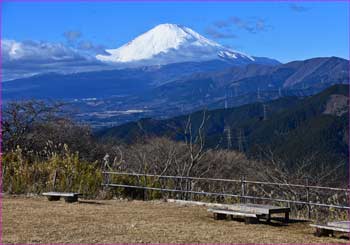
(21, 59)
(252, 25)
(37, 51)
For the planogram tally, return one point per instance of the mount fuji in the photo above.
(172, 43)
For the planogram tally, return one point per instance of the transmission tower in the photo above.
(264, 112)
(241, 140)
(227, 130)
(236, 87)
(258, 94)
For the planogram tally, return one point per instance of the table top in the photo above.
(258, 208)
(61, 194)
(340, 224)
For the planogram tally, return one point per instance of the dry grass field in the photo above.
(36, 220)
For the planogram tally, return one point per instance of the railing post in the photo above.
(145, 193)
(308, 198)
(106, 178)
(190, 188)
(242, 189)
(184, 188)
(54, 180)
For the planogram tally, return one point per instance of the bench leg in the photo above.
(268, 218)
(250, 220)
(258, 217)
(53, 198)
(71, 199)
(319, 232)
(323, 232)
(286, 217)
(219, 216)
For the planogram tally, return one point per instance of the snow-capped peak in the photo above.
(170, 43)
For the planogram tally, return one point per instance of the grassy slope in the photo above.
(115, 221)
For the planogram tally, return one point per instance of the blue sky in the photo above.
(283, 30)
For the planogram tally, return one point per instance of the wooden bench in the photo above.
(251, 212)
(331, 227)
(68, 196)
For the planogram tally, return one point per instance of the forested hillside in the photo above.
(292, 128)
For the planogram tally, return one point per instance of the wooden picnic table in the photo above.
(249, 210)
(68, 196)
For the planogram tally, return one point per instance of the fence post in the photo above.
(187, 194)
(308, 198)
(54, 180)
(190, 185)
(145, 193)
(184, 189)
(105, 176)
(242, 189)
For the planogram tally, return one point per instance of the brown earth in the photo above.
(36, 220)
(337, 105)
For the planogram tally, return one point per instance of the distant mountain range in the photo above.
(200, 78)
(292, 128)
(106, 98)
(310, 76)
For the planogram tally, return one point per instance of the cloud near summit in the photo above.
(251, 25)
(26, 58)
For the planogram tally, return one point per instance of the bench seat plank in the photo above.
(340, 224)
(61, 194)
(258, 208)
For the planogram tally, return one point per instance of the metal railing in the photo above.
(242, 193)
(228, 180)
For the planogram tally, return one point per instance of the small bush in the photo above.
(22, 175)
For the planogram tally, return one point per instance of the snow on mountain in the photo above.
(171, 43)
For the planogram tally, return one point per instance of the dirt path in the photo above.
(35, 220)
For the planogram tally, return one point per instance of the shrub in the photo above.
(24, 175)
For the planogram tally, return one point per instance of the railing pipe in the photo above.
(231, 195)
(232, 180)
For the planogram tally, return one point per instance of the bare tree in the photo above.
(19, 118)
(195, 143)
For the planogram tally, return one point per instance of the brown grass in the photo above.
(36, 220)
